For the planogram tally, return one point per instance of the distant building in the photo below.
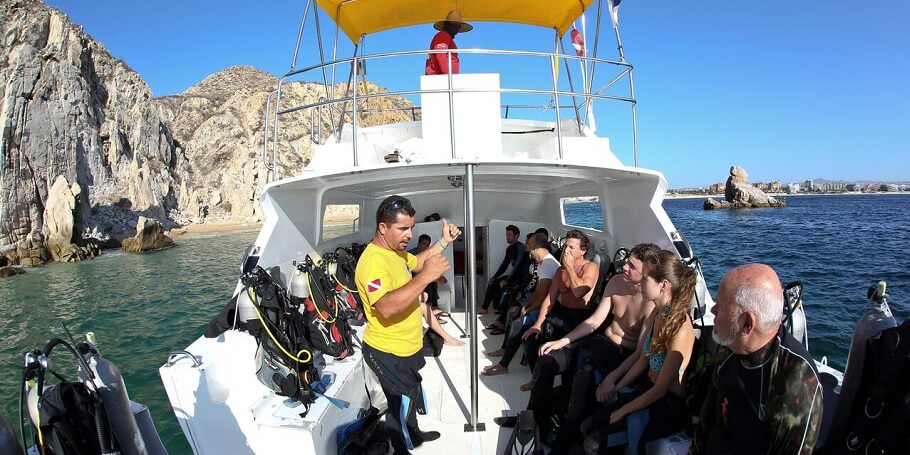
(793, 188)
(717, 188)
(808, 186)
(852, 187)
(761, 185)
(889, 187)
(774, 186)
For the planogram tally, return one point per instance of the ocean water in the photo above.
(837, 246)
(143, 306)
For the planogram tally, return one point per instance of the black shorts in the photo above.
(399, 375)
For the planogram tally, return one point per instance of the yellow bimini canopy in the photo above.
(363, 17)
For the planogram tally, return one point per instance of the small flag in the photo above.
(374, 285)
(578, 42)
(614, 11)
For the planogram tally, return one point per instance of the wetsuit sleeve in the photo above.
(502, 267)
(795, 410)
(708, 416)
(520, 269)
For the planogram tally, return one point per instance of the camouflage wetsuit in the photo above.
(767, 402)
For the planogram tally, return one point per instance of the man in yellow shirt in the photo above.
(390, 281)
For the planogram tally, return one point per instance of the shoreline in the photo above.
(196, 230)
(785, 195)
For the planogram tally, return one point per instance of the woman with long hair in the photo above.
(658, 364)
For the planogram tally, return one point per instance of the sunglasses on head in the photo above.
(399, 204)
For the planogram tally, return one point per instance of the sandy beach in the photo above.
(213, 228)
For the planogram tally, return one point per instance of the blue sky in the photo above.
(788, 90)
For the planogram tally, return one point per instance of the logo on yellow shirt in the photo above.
(374, 285)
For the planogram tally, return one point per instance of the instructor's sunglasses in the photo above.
(400, 203)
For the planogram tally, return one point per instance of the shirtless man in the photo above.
(566, 305)
(623, 299)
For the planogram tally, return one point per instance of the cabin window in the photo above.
(339, 220)
(583, 212)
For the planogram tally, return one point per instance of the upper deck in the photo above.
(507, 105)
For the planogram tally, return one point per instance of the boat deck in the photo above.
(446, 382)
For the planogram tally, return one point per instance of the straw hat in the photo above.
(454, 16)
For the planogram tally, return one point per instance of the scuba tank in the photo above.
(795, 314)
(297, 288)
(118, 409)
(877, 317)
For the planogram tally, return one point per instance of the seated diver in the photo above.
(657, 365)
(544, 273)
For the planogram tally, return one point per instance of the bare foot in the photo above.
(526, 387)
(497, 353)
(453, 341)
(493, 370)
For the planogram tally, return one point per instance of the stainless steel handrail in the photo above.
(419, 92)
(173, 355)
(354, 96)
(265, 134)
(480, 51)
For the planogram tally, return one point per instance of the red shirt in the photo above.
(439, 63)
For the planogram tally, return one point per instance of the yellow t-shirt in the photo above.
(380, 271)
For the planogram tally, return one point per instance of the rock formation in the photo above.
(61, 209)
(11, 270)
(740, 194)
(69, 109)
(149, 237)
(218, 125)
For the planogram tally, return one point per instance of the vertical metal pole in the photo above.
(451, 107)
(354, 101)
(300, 34)
(634, 122)
(471, 302)
(622, 58)
(265, 136)
(554, 65)
(275, 132)
(325, 77)
(562, 49)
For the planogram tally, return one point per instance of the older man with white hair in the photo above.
(765, 395)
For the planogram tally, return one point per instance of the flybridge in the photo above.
(557, 90)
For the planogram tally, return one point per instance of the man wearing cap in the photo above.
(438, 63)
(390, 281)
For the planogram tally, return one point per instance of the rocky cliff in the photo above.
(70, 109)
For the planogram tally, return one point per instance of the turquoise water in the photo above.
(139, 306)
(142, 306)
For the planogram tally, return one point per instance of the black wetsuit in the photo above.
(767, 402)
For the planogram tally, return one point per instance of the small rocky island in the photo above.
(739, 194)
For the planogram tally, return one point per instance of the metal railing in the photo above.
(338, 104)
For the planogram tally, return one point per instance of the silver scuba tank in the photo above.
(298, 285)
(245, 309)
(877, 317)
(795, 320)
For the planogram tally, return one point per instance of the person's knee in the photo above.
(548, 365)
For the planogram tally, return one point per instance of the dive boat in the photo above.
(461, 155)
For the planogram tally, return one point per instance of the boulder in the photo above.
(739, 194)
(149, 237)
(60, 214)
(11, 270)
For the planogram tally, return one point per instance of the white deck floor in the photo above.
(446, 381)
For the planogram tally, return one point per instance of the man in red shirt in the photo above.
(438, 63)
